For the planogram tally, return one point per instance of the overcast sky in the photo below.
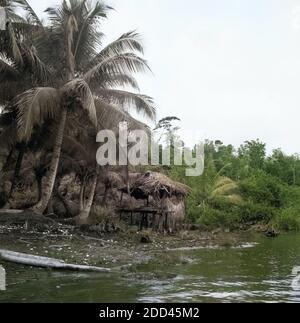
(229, 69)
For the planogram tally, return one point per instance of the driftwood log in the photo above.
(44, 262)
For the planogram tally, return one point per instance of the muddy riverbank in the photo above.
(125, 246)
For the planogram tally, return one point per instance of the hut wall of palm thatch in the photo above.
(177, 208)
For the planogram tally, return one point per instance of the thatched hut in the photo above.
(150, 192)
(165, 194)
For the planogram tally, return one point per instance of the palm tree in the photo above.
(70, 48)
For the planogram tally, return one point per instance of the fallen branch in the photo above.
(44, 262)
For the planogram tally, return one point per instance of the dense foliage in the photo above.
(243, 187)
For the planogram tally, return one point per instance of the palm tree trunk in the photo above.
(81, 198)
(127, 177)
(49, 209)
(48, 189)
(82, 192)
(85, 213)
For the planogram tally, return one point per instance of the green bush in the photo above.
(211, 218)
(263, 196)
(219, 214)
(262, 188)
(252, 213)
(292, 197)
(288, 219)
(193, 212)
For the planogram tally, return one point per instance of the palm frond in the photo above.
(63, 26)
(14, 46)
(34, 107)
(25, 29)
(8, 70)
(70, 29)
(14, 17)
(50, 47)
(141, 103)
(110, 116)
(37, 66)
(80, 89)
(126, 63)
(128, 42)
(32, 14)
(115, 81)
(88, 38)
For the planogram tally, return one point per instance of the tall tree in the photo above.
(82, 74)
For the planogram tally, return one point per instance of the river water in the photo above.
(255, 271)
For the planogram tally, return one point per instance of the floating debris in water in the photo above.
(246, 245)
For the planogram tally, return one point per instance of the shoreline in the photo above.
(126, 247)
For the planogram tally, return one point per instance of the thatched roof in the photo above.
(157, 185)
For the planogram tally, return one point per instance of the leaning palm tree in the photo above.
(83, 74)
